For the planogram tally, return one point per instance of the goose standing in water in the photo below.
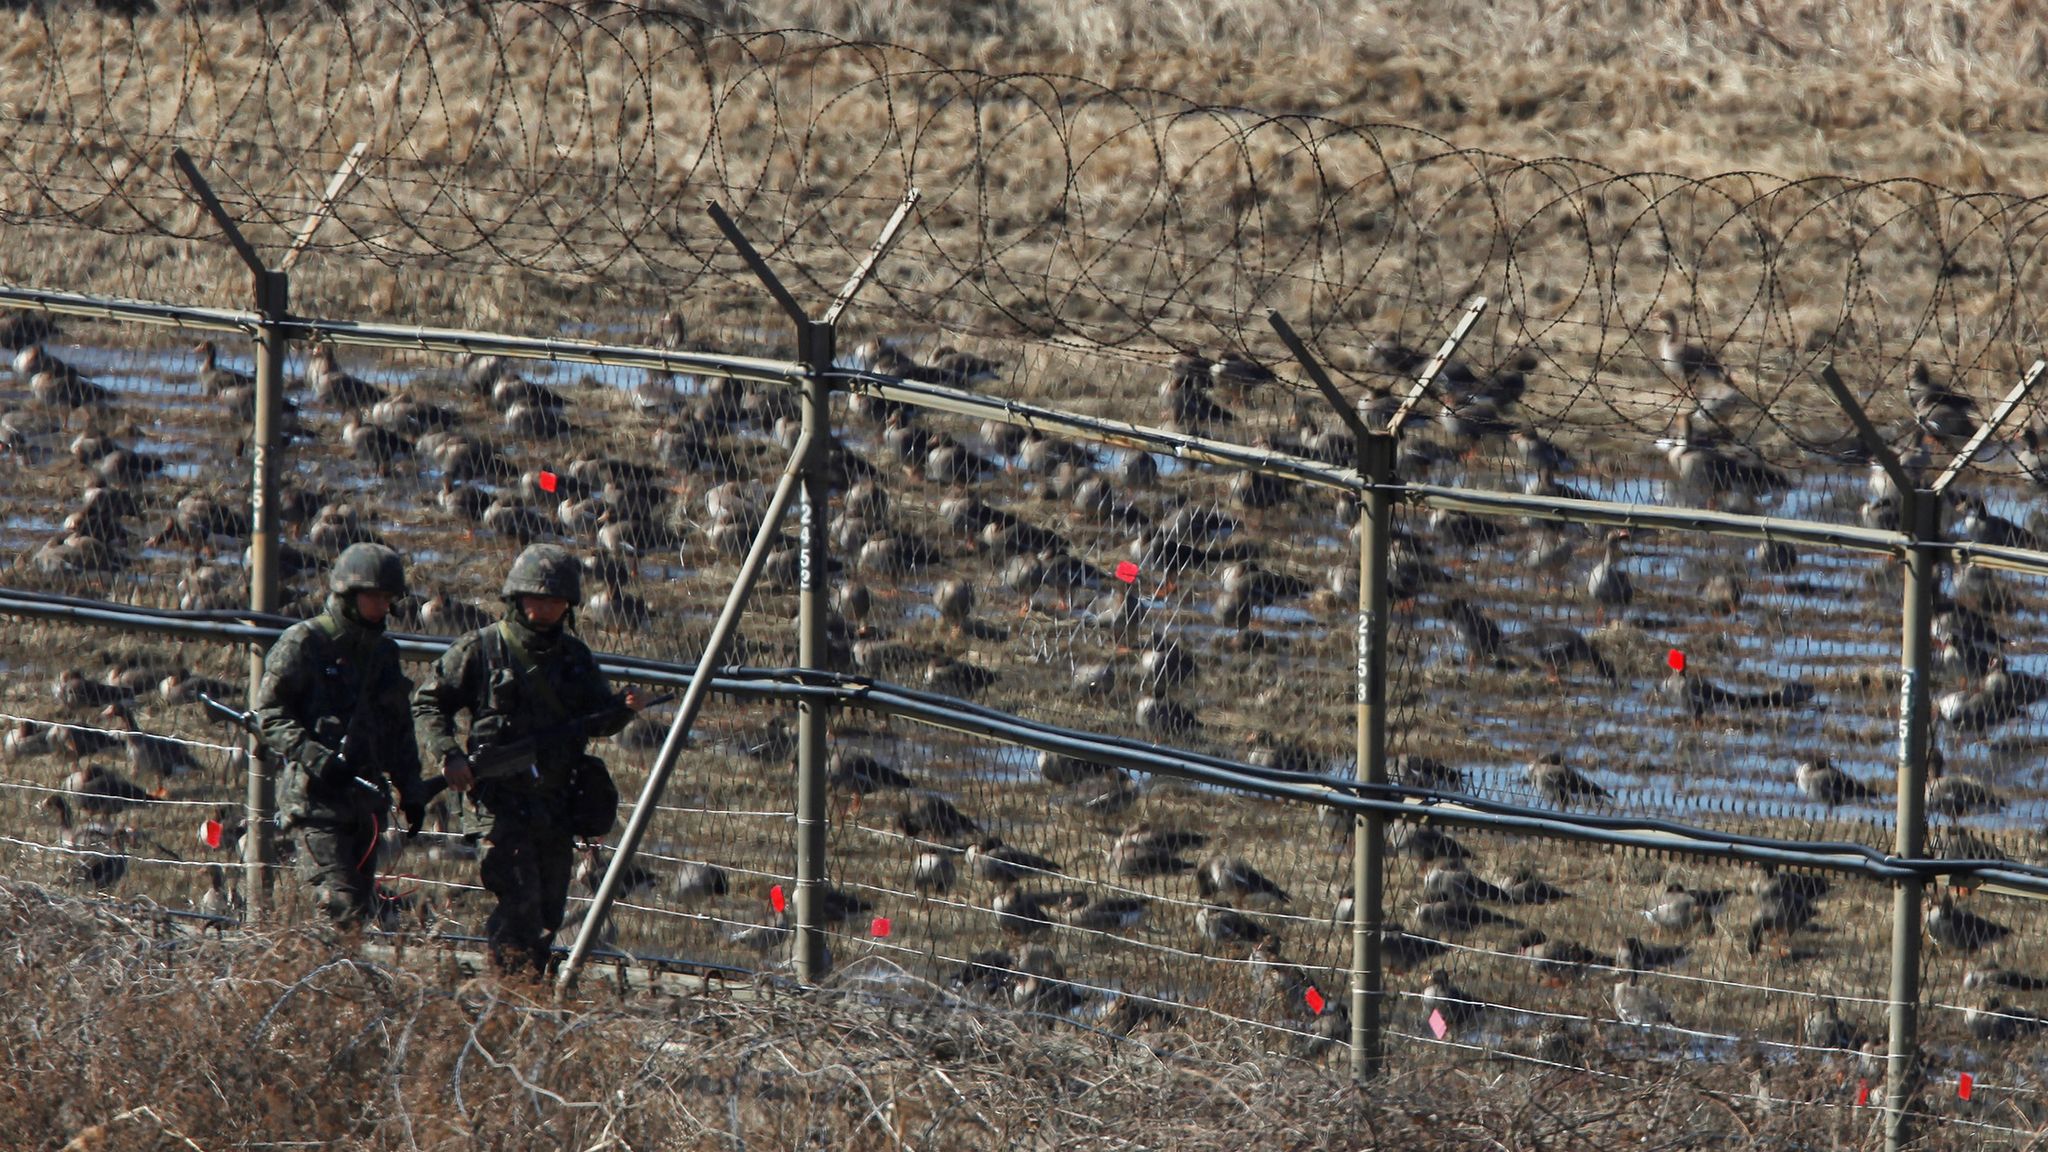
(1608, 584)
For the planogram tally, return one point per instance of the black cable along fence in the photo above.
(1640, 575)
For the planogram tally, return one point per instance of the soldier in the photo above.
(332, 706)
(527, 675)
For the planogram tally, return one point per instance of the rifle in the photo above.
(247, 722)
(514, 758)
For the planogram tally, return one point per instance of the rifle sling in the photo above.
(532, 675)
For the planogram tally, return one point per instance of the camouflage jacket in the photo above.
(482, 672)
(329, 681)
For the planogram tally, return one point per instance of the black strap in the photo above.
(531, 674)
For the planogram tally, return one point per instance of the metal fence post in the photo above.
(818, 349)
(259, 841)
(271, 291)
(1916, 651)
(1369, 847)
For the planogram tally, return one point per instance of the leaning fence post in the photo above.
(271, 290)
(808, 471)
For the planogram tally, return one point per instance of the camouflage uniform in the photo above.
(331, 685)
(516, 680)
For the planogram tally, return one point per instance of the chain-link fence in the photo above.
(1093, 540)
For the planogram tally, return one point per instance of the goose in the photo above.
(1958, 928)
(1233, 878)
(695, 880)
(1453, 881)
(1825, 1028)
(55, 384)
(1402, 951)
(1780, 914)
(1940, 410)
(1024, 914)
(995, 862)
(1979, 526)
(1821, 781)
(101, 851)
(1460, 916)
(1557, 959)
(1413, 770)
(1557, 648)
(375, 446)
(219, 900)
(27, 738)
(444, 614)
(335, 387)
(1167, 718)
(159, 755)
(932, 872)
(1995, 1022)
(214, 379)
(73, 690)
(1698, 370)
(1715, 468)
(595, 862)
(1684, 908)
(1453, 1004)
(1636, 956)
(101, 790)
(1608, 584)
(405, 416)
(857, 772)
(1635, 1004)
(1117, 914)
(932, 816)
(1958, 796)
(1220, 925)
(1562, 785)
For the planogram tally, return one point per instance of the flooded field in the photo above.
(1229, 628)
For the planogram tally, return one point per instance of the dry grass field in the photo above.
(1105, 185)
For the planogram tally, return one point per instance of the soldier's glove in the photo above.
(333, 771)
(413, 807)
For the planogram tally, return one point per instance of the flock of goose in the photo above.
(1001, 519)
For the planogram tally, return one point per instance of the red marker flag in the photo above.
(1315, 1000)
(210, 833)
(1862, 1093)
(1676, 659)
(776, 899)
(880, 926)
(548, 481)
(1964, 1084)
(1127, 572)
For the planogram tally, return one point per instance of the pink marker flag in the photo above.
(1437, 1024)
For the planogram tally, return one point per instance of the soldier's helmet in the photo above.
(545, 570)
(367, 568)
